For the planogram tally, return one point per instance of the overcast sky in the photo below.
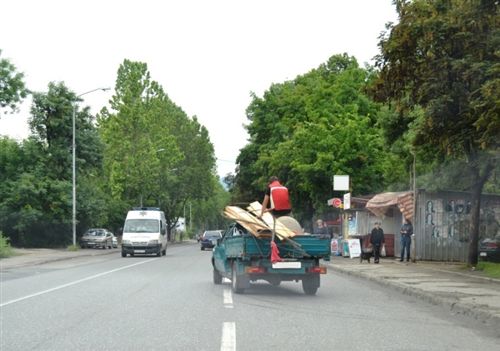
(207, 54)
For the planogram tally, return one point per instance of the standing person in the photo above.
(279, 201)
(377, 240)
(322, 228)
(406, 233)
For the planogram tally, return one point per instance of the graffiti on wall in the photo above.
(432, 213)
(450, 219)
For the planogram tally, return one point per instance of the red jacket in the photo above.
(278, 195)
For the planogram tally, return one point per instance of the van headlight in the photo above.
(153, 242)
(126, 242)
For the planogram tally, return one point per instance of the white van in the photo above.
(144, 232)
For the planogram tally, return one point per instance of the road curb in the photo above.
(449, 303)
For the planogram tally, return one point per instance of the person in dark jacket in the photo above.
(377, 240)
(406, 233)
(322, 228)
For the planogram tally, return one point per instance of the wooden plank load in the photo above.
(258, 227)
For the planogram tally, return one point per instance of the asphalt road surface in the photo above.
(170, 303)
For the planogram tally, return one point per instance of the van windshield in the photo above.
(141, 226)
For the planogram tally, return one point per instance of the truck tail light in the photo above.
(317, 269)
(253, 270)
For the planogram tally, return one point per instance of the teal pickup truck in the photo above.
(242, 258)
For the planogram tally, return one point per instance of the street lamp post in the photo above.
(74, 160)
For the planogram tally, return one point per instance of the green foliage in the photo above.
(5, 248)
(443, 56)
(208, 214)
(12, 88)
(155, 155)
(306, 130)
(439, 68)
(35, 187)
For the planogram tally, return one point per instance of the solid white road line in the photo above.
(74, 283)
(228, 342)
(228, 298)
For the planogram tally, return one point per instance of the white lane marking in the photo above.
(74, 283)
(228, 342)
(228, 298)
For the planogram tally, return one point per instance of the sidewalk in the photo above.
(459, 290)
(33, 257)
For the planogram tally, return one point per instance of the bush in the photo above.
(5, 248)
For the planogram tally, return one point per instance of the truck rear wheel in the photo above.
(238, 281)
(310, 285)
(217, 277)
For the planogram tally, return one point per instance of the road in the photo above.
(170, 303)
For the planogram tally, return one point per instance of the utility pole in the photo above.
(414, 246)
(73, 219)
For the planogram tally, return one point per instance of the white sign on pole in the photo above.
(341, 183)
(347, 201)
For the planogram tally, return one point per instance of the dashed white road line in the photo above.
(228, 298)
(228, 342)
(74, 283)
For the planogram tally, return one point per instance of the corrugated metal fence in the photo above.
(443, 220)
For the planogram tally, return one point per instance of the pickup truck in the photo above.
(243, 257)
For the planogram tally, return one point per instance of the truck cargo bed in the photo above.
(248, 246)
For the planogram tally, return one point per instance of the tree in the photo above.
(154, 153)
(442, 58)
(35, 205)
(12, 88)
(306, 130)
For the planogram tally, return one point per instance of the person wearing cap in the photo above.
(377, 240)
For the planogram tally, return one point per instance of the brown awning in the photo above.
(380, 203)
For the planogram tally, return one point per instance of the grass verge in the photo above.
(73, 248)
(489, 269)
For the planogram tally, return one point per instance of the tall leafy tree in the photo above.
(155, 154)
(12, 88)
(442, 59)
(306, 130)
(36, 202)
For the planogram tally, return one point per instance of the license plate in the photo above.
(483, 254)
(139, 251)
(286, 265)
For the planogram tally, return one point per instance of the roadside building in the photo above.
(441, 221)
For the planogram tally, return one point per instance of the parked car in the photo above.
(489, 249)
(97, 238)
(209, 239)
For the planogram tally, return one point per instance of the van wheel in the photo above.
(124, 254)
